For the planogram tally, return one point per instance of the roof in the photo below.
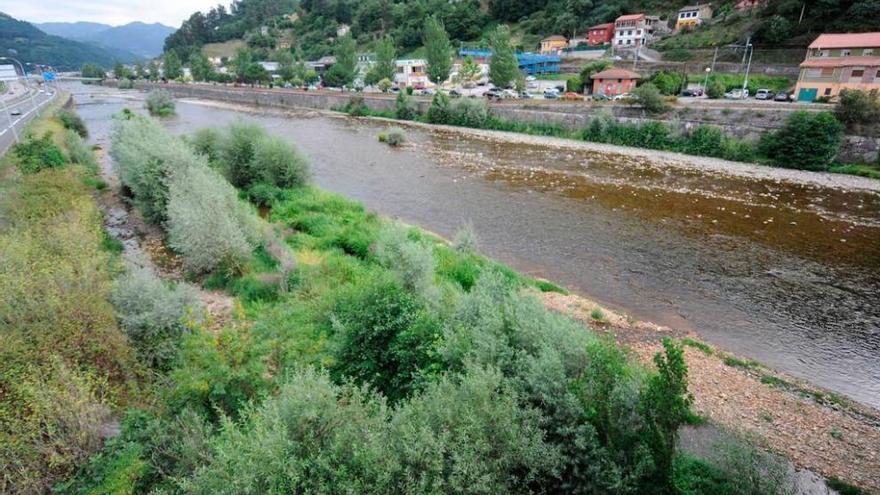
(601, 26)
(616, 74)
(847, 40)
(630, 17)
(554, 37)
(693, 7)
(819, 62)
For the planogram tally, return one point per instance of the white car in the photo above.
(509, 93)
(624, 96)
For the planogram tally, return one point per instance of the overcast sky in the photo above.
(114, 12)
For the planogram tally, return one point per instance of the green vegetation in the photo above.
(160, 102)
(842, 487)
(393, 136)
(702, 346)
(503, 67)
(71, 121)
(808, 141)
(438, 50)
(649, 97)
(857, 108)
(34, 154)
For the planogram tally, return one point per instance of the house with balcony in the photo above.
(692, 16)
(839, 61)
(600, 34)
(632, 31)
(412, 72)
(553, 44)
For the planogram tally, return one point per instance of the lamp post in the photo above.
(26, 84)
(706, 83)
(751, 48)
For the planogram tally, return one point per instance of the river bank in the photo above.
(813, 421)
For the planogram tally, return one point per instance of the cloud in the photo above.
(113, 12)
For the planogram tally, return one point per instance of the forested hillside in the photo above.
(313, 24)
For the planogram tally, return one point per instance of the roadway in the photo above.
(20, 122)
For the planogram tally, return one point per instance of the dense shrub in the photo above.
(153, 313)
(855, 108)
(715, 89)
(574, 84)
(468, 112)
(438, 112)
(277, 162)
(34, 154)
(704, 140)
(160, 102)
(207, 141)
(650, 98)
(144, 154)
(412, 261)
(263, 194)
(356, 107)
(80, 152)
(247, 155)
(207, 224)
(466, 240)
(70, 120)
(393, 136)
(670, 83)
(808, 141)
(405, 108)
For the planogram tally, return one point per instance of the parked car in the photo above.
(15, 111)
(509, 94)
(624, 96)
(692, 92)
(561, 89)
(425, 92)
(600, 97)
(764, 94)
(737, 94)
(571, 95)
(531, 78)
(493, 93)
(395, 89)
(551, 93)
(454, 93)
(525, 95)
(783, 96)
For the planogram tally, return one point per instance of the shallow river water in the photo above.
(784, 273)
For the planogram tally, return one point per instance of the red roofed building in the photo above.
(614, 82)
(632, 31)
(839, 61)
(601, 34)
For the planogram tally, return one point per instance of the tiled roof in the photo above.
(819, 62)
(616, 74)
(630, 17)
(846, 40)
(601, 26)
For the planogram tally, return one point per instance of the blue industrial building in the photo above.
(529, 63)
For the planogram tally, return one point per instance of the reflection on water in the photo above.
(783, 273)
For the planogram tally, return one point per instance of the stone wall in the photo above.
(738, 122)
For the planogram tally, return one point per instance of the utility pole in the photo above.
(751, 50)
(748, 42)
(803, 9)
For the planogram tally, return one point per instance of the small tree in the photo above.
(469, 72)
(855, 107)
(200, 67)
(153, 70)
(808, 141)
(384, 85)
(650, 98)
(93, 70)
(160, 102)
(438, 50)
(438, 112)
(346, 61)
(171, 65)
(715, 89)
(385, 66)
(503, 66)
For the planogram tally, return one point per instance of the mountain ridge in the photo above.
(145, 40)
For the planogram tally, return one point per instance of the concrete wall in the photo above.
(738, 122)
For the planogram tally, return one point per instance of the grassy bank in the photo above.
(366, 356)
(785, 148)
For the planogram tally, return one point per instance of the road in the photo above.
(20, 122)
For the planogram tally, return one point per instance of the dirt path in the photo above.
(816, 430)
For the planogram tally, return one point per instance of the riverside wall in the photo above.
(750, 121)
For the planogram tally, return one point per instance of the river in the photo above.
(782, 272)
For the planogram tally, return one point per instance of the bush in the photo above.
(466, 241)
(438, 112)
(405, 107)
(207, 224)
(467, 112)
(670, 83)
(412, 261)
(34, 154)
(207, 141)
(153, 314)
(393, 136)
(125, 84)
(277, 162)
(807, 141)
(855, 108)
(70, 120)
(356, 107)
(263, 194)
(704, 141)
(715, 89)
(160, 102)
(650, 99)
(80, 152)
(574, 84)
(678, 55)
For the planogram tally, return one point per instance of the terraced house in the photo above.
(839, 61)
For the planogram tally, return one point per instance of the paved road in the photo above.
(20, 122)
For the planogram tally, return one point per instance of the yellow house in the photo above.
(553, 44)
(692, 16)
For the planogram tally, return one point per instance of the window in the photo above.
(639, 32)
(845, 53)
(823, 53)
(857, 74)
(629, 42)
(827, 91)
(814, 73)
(868, 51)
(619, 42)
(827, 72)
(629, 33)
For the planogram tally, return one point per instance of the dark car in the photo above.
(15, 112)
(493, 93)
(782, 96)
(455, 93)
(692, 92)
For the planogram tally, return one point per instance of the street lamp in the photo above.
(26, 85)
(706, 84)
(751, 48)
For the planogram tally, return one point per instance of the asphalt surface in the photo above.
(20, 122)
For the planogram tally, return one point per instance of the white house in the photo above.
(412, 72)
(632, 31)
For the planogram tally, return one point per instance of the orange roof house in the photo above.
(838, 61)
(614, 81)
(553, 44)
